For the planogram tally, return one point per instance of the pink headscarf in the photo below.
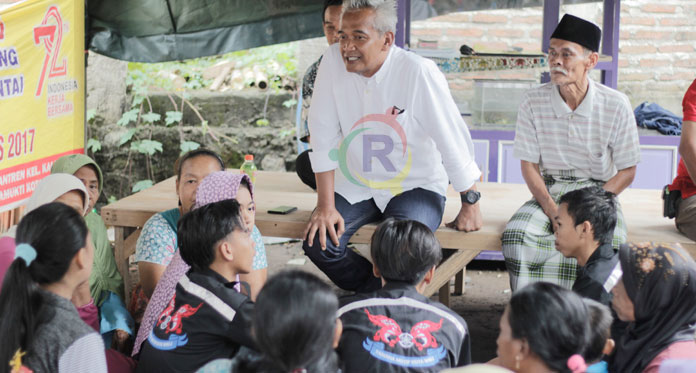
(217, 186)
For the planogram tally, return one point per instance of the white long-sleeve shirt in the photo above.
(393, 132)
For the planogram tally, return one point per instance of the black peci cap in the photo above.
(578, 30)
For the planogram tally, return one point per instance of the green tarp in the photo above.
(169, 30)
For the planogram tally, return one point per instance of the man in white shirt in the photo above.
(571, 133)
(386, 120)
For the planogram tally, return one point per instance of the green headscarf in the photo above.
(105, 276)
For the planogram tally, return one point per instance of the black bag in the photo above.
(671, 199)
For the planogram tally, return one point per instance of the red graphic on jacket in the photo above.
(390, 332)
(173, 323)
(421, 334)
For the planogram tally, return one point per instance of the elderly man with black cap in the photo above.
(571, 133)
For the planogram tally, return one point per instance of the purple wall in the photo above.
(657, 168)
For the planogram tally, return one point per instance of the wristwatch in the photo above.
(471, 197)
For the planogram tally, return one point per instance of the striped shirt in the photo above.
(596, 140)
(62, 342)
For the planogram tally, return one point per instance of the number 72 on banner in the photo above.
(52, 36)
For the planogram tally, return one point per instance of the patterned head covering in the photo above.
(219, 186)
(660, 279)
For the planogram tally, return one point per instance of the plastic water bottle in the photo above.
(249, 168)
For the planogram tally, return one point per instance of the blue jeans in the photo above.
(348, 269)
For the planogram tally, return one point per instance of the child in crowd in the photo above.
(586, 221)
(295, 328)
(206, 318)
(40, 327)
(397, 328)
(216, 187)
(105, 288)
(601, 343)
(544, 328)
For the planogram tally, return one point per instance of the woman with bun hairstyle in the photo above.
(542, 328)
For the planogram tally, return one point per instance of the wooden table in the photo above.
(642, 210)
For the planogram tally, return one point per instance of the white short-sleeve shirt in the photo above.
(596, 140)
(395, 131)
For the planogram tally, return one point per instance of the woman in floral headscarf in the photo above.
(217, 186)
(657, 296)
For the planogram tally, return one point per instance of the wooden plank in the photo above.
(121, 262)
(129, 243)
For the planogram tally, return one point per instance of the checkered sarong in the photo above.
(529, 243)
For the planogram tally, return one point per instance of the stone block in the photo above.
(653, 35)
(645, 21)
(659, 8)
(637, 49)
(684, 48)
(465, 32)
(489, 18)
(681, 21)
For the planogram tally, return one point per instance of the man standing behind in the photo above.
(386, 120)
(571, 133)
(331, 21)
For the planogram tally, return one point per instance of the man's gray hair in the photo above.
(385, 12)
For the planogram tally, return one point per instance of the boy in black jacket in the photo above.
(397, 328)
(586, 221)
(207, 318)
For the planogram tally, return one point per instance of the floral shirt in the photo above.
(158, 243)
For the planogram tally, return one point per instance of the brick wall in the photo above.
(657, 59)
(657, 56)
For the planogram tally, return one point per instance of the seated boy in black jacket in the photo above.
(206, 318)
(397, 329)
(586, 221)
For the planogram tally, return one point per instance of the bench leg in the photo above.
(449, 268)
(444, 295)
(124, 247)
(459, 285)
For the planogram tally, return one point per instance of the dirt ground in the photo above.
(487, 292)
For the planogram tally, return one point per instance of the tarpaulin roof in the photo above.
(169, 30)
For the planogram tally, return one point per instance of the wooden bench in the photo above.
(642, 210)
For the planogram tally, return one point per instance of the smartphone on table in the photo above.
(282, 210)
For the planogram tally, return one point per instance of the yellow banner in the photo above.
(42, 92)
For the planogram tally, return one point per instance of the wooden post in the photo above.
(444, 295)
(459, 285)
